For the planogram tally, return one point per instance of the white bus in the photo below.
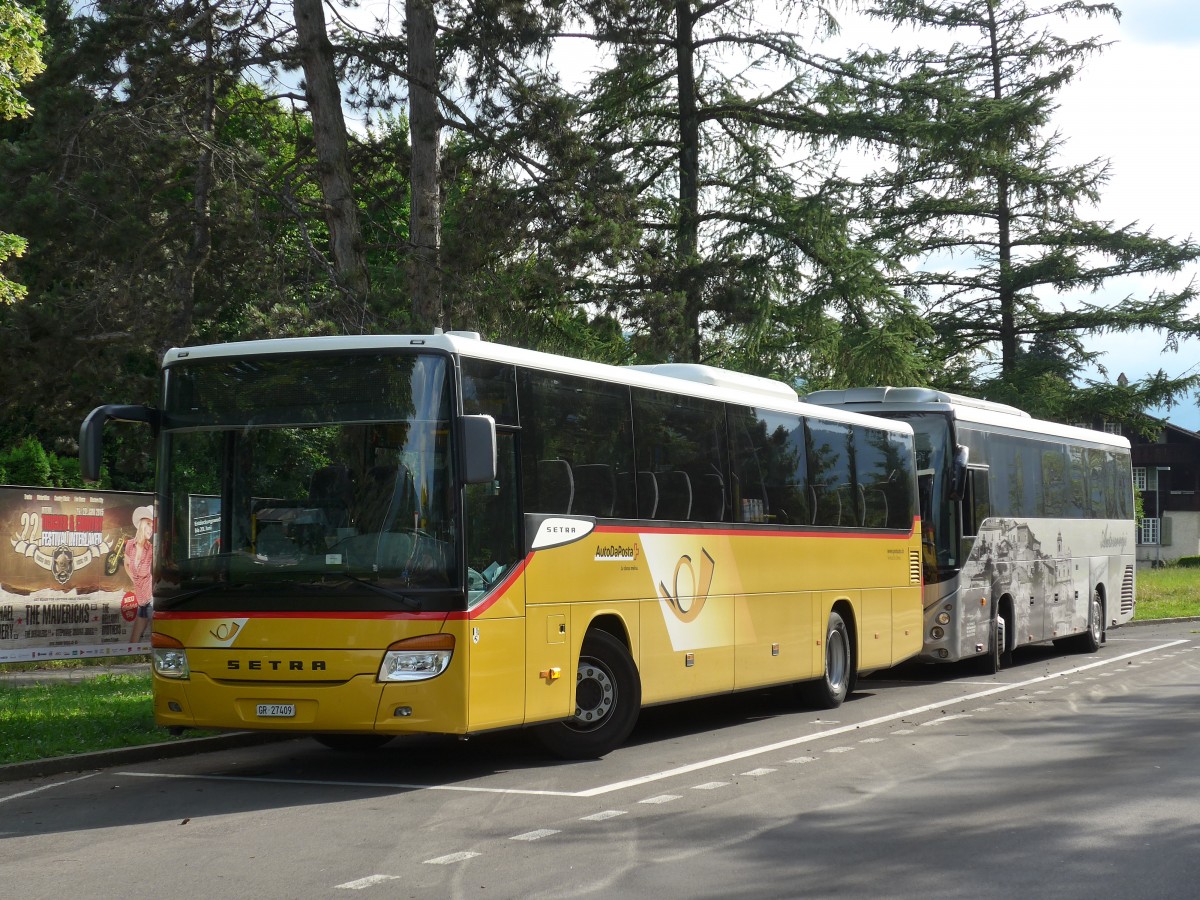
(1029, 525)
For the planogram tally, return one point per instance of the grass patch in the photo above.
(66, 718)
(1169, 593)
(87, 663)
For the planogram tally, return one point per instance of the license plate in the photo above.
(276, 710)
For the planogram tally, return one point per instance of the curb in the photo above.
(101, 759)
(1162, 621)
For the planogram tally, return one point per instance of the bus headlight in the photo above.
(937, 632)
(417, 659)
(169, 657)
(943, 618)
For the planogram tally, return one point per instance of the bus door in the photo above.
(496, 593)
(976, 508)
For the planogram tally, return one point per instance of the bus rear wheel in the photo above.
(1090, 640)
(840, 676)
(608, 698)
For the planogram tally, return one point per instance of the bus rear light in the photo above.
(418, 658)
(937, 632)
(169, 657)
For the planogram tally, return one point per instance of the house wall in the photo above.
(1185, 539)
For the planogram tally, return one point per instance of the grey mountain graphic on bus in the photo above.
(1008, 558)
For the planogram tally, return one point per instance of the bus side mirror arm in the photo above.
(958, 476)
(91, 433)
(478, 449)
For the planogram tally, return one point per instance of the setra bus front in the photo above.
(309, 569)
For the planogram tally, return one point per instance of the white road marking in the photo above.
(451, 858)
(839, 749)
(688, 768)
(601, 816)
(754, 773)
(46, 787)
(944, 719)
(534, 835)
(832, 732)
(243, 779)
(710, 785)
(661, 798)
(369, 881)
(803, 759)
(872, 740)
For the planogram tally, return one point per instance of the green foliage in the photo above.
(20, 56)
(1188, 562)
(28, 463)
(673, 207)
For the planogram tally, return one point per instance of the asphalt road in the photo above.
(1064, 776)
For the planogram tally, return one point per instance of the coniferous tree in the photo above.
(988, 219)
(728, 129)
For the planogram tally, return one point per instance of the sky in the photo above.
(1136, 106)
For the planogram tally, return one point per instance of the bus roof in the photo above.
(889, 400)
(689, 379)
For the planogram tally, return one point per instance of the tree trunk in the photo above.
(425, 124)
(688, 230)
(333, 167)
(184, 281)
(1006, 293)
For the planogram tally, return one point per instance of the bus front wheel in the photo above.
(998, 655)
(830, 690)
(608, 698)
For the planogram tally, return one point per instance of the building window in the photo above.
(1149, 531)
(1139, 478)
(1112, 427)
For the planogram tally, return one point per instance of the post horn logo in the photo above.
(225, 631)
(700, 587)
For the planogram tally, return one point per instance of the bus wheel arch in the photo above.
(840, 675)
(608, 697)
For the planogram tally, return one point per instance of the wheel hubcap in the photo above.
(838, 663)
(595, 694)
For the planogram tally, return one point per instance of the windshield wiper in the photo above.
(403, 599)
(207, 589)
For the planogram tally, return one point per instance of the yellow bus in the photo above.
(362, 537)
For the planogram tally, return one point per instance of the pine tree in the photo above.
(988, 219)
(728, 129)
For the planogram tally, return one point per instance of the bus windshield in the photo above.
(935, 460)
(315, 481)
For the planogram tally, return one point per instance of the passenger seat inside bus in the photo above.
(595, 490)
(556, 486)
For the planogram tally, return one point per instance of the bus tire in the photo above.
(352, 743)
(998, 655)
(828, 691)
(1090, 640)
(608, 699)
